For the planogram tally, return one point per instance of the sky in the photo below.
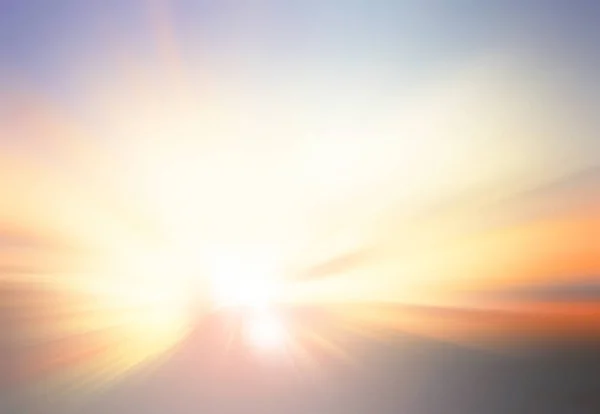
(417, 183)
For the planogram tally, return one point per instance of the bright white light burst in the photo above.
(266, 331)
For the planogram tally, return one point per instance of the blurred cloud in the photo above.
(581, 289)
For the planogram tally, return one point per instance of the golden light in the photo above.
(216, 182)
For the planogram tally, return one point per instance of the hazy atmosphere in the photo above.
(274, 207)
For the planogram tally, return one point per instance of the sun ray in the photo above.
(182, 206)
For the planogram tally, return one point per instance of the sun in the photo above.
(244, 280)
(265, 330)
(249, 282)
(255, 293)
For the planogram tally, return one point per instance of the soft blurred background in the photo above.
(359, 206)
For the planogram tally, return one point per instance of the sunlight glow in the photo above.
(288, 192)
(239, 280)
(266, 331)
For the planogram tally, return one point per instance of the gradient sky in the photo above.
(458, 140)
(386, 50)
